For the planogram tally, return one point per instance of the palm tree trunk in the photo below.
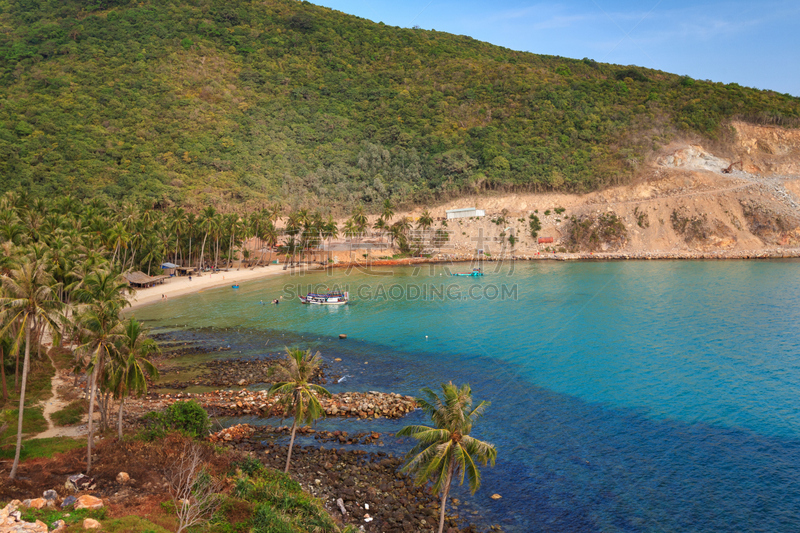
(230, 251)
(445, 493)
(16, 372)
(3, 371)
(25, 365)
(104, 411)
(119, 417)
(90, 438)
(291, 443)
(200, 260)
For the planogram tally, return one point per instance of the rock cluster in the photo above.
(250, 438)
(232, 434)
(11, 521)
(239, 403)
(375, 496)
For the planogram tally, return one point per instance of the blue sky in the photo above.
(755, 44)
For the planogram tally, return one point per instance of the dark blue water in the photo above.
(655, 396)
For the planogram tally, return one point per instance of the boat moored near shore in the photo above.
(331, 298)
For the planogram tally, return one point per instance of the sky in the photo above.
(754, 43)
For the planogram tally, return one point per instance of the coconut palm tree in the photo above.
(425, 222)
(447, 450)
(299, 397)
(131, 363)
(28, 301)
(177, 225)
(388, 210)
(102, 296)
(330, 230)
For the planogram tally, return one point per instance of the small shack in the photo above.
(140, 280)
(169, 268)
(465, 212)
(185, 271)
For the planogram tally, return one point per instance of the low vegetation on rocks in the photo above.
(593, 233)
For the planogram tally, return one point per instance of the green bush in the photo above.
(187, 417)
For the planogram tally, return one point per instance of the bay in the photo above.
(626, 396)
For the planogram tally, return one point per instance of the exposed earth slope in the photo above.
(686, 201)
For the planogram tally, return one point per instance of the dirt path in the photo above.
(56, 403)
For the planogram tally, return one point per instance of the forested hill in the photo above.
(212, 101)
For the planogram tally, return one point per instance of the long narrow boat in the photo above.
(476, 272)
(331, 298)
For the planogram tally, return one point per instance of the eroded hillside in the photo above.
(746, 196)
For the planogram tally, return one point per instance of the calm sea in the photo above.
(625, 396)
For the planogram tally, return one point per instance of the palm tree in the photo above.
(351, 231)
(446, 450)
(103, 297)
(381, 226)
(388, 210)
(29, 301)
(330, 230)
(207, 225)
(425, 222)
(131, 365)
(177, 225)
(299, 396)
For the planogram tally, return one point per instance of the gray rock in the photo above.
(50, 495)
(68, 501)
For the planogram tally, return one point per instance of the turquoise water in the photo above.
(630, 396)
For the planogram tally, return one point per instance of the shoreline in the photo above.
(181, 286)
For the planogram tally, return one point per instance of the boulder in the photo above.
(123, 478)
(38, 503)
(88, 502)
(91, 523)
(58, 526)
(79, 482)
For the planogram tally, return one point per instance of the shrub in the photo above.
(187, 417)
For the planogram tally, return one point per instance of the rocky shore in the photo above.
(363, 405)
(362, 488)
(231, 372)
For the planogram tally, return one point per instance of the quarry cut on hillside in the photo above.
(742, 197)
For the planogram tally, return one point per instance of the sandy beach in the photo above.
(178, 286)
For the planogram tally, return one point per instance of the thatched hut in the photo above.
(141, 280)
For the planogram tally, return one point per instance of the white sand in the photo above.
(180, 285)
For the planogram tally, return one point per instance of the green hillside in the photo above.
(227, 102)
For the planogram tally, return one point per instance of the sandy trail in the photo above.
(56, 403)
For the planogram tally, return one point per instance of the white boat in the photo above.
(331, 298)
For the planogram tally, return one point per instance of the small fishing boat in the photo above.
(235, 286)
(476, 272)
(330, 298)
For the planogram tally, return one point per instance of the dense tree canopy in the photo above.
(203, 102)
